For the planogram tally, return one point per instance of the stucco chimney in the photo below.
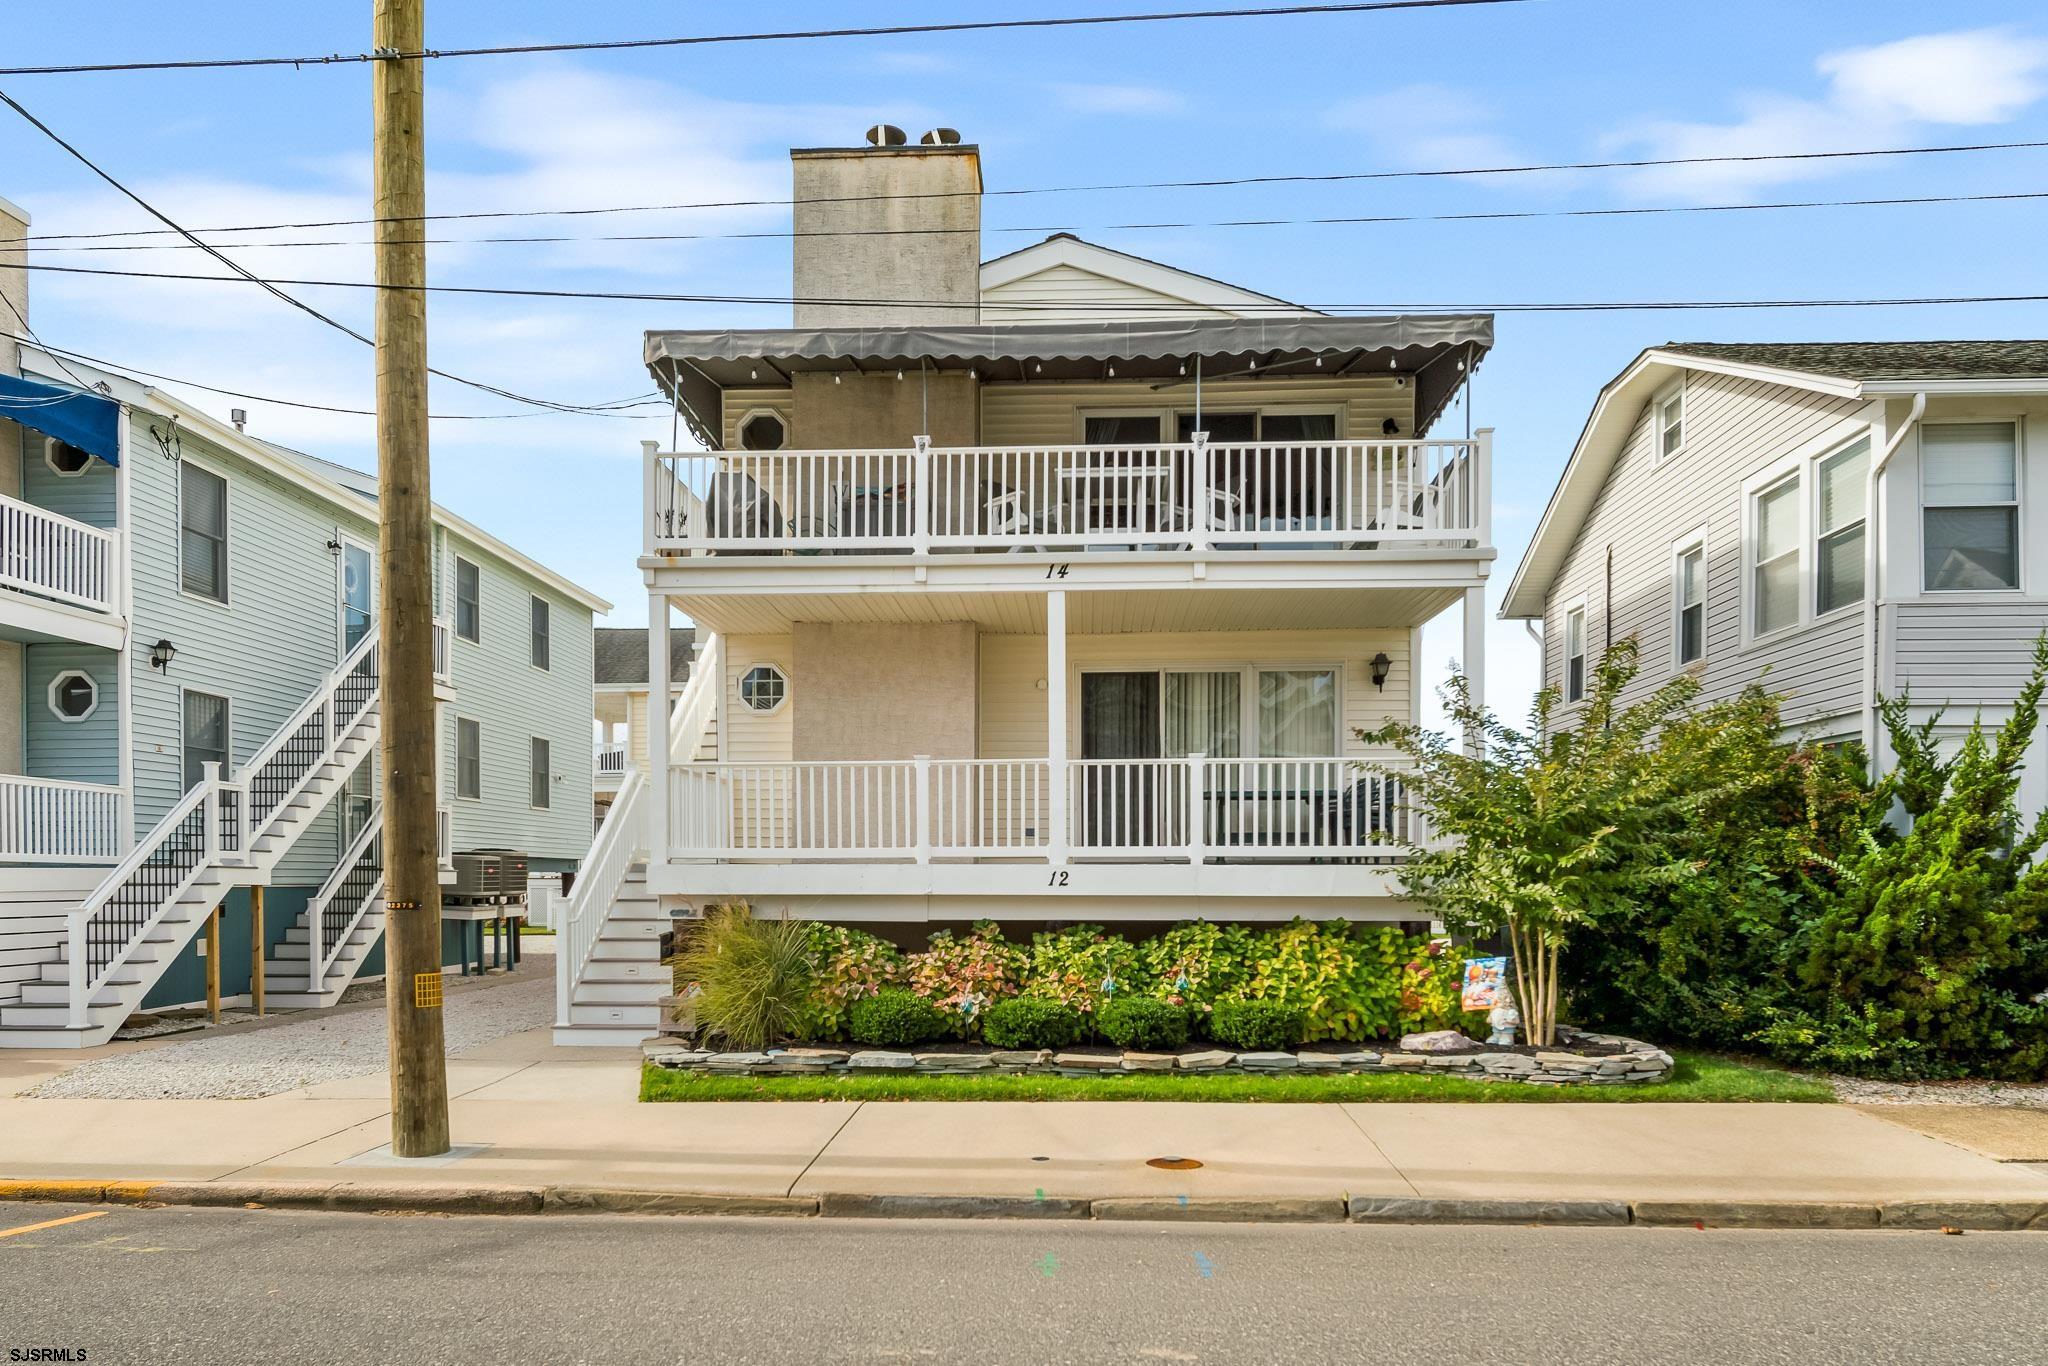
(894, 224)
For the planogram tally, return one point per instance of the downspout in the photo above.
(1873, 601)
(124, 666)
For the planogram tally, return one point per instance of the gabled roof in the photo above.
(340, 485)
(622, 655)
(1063, 249)
(1852, 370)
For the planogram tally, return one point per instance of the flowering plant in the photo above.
(851, 966)
(963, 976)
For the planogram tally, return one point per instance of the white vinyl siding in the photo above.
(1739, 433)
(1970, 506)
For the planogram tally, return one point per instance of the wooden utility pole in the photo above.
(405, 620)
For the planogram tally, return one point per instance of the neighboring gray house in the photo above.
(621, 702)
(1838, 521)
(188, 704)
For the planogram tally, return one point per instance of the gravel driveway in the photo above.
(313, 1048)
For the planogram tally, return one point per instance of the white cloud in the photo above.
(1424, 126)
(1873, 96)
(1095, 98)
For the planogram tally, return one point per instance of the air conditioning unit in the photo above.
(493, 876)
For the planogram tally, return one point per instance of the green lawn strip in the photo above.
(1696, 1077)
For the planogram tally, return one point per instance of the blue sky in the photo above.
(1557, 80)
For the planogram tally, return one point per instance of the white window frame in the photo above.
(57, 683)
(1681, 549)
(50, 445)
(478, 795)
(1675, 391)
(227, 723)
(227, 527)
(341, 589)
(2018, 504)
(739, 428)
(1575, 608)
(739, 685)
(456, 602)
(1780, 474)
(1816, 535)
(545, 774)
(544, 637)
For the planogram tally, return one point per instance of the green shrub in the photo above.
(1143, 1023)
(1255, 1026)
(896, 1018)
(755, 976)
(965, 976)
(850, 965)
(1032, 1022)
(1198, 963)
(1083, 964)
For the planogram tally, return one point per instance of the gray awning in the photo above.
(696, 366)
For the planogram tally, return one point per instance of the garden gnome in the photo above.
(1503, 1017)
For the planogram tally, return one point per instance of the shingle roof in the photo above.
(622, 654)
(1885, 360)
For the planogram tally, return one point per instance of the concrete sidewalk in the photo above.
(548, 1117)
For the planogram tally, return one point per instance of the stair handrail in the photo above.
(598, 881)
(319, 958)
(693, 710)
(322, 696)
(82, 980)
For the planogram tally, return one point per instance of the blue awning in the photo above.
(89, 421)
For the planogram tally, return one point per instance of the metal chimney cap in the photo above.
(886, 135)
(238, 416)
(941, 137)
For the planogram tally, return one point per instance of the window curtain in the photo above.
(1204, 715)
(1297, 713)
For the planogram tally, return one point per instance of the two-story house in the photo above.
(1840, 522)
(1050, 588)
(188, 703)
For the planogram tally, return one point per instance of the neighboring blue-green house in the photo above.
(176, 594)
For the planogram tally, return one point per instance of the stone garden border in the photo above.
(1637, 1064)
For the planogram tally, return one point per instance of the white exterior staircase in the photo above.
(320, 955)
(609, 977)
(224, 833)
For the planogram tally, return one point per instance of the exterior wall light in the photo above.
(161, 654)
(1381, 666)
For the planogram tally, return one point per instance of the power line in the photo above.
(704, 40)
(62, 353)
(268, 286)
(1066, 307)
(1347, 220)
(1229, 182)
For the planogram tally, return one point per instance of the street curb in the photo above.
(1378, 1209)
(604, 1200)
(1201, 1209)
(1754, 1214)
(366, 1198)
(853, 1206)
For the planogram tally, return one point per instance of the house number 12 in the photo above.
(1058, 878)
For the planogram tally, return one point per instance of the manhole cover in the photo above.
(1173, 1164)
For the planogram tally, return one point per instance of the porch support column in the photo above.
(1473, 660)
(657, 730)
(1056, 724)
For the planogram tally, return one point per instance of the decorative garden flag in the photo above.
(1484, 978)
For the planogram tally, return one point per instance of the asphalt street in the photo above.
(124, 1285)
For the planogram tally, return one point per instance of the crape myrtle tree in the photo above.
(1551, 831)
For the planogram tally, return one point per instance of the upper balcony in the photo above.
(1281, 453)
(1198, 496)
(59, 578)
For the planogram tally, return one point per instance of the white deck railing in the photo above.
(1332, 495)
(46, 821)
(51, 556)
(444, 632)
(611, 761)
(1195, 810)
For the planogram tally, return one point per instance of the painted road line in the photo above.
(55, 1223)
